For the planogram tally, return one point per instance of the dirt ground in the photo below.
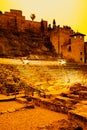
(15, 117)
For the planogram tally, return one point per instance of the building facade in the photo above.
(68, 43)
(85, 50)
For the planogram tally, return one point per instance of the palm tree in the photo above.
(32, 16)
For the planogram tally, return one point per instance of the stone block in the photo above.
(79, 116)
(21, 100)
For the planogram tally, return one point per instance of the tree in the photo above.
(49, 27)
(42, 26)
(0, 12)
(54, 23)
(32, 16)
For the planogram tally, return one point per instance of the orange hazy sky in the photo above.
(66, 12)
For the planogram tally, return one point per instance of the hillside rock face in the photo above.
(14, 44)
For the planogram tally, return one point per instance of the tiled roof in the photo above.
(77, 33)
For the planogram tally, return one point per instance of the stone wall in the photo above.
(14, 13)
(77, 119)
(76, 51)
(14, 20)
(35, 26)
(85, 52)
(59, 36)
(71, 47)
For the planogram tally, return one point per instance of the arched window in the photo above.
(80, 59)
(69, 41)
(69, 49)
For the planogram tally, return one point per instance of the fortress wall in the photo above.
(19, 20)
(4, 21)
(54, 39)
(15, 20)
(34, 25)
(12, 20)
(20, 23)
(60, 36)
(45, 25)
(14, 13)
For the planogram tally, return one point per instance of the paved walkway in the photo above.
(30, 62)
(27, 119)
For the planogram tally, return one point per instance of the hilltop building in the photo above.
(67, 43)
(85, 51)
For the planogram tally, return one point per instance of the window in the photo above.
(81, 36)
(69, 41)
(80, 59)
(80, 53)
(75, 37)
(69, 49)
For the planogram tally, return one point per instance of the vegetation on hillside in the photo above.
(14, 44)
(11, 80)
